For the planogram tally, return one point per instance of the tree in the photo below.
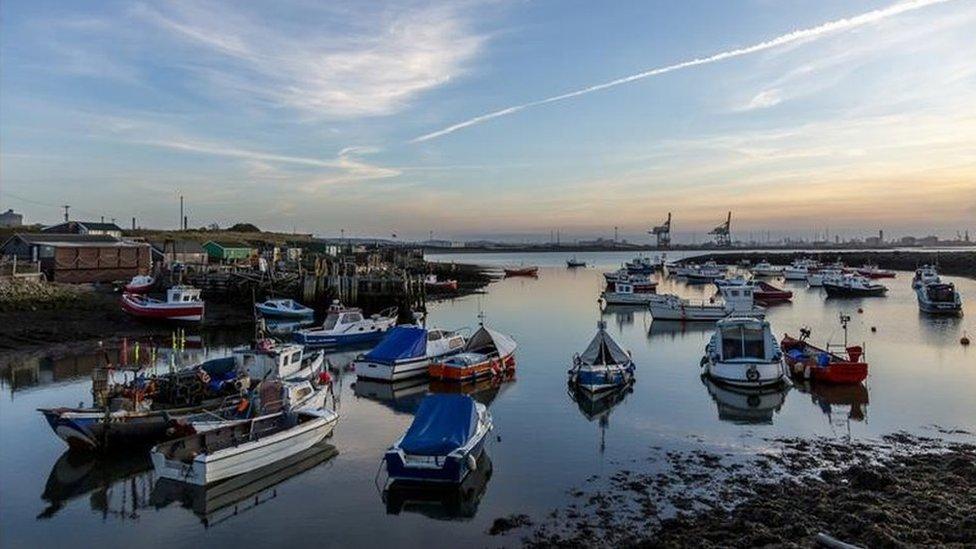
(243, 228)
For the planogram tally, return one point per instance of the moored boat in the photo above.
(182, 303)
(443, 443)
(743, 352)
(800, 269)
(486, 353)
(525, 270)
(764, 268)
(603, 365)
(816, 278)
(406, 352)
(853, 285)
(736, 300)
(704, 274)
(807, 361)
(873, 272)
(283, 308)
(432, 284)
(140, 284)
(348, 326)
(573, 262)
(939, 298)
(766, 293)
(926, 274)
(630, 290)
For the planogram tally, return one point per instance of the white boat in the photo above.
(266, 358)
(926, 274)
(347, 326)
(140, 284)
(603, 365)
(816, 278)
(744, 352)
(407, 351)
(736, 299)
(939, 298)
(732, 281)
(800, 269)
(283, 308)
(764, 268)
(625, 292)
(236, 449)
(279, 396)
(704, 274)
(853, 285)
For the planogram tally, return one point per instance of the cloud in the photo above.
(763, 99)
(811, 33)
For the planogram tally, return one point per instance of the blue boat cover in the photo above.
(444, 423)
(400, 343)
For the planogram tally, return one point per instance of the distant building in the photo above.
(184, 252)
(442, 244)
(11, 219)
(930, 240)
(85, 227)
(229, 250)
(78, 258)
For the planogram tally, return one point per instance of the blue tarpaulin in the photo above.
(444, 423)
(400, 343)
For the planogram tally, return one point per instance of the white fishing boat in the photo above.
(348, 326)
(232, 450)
(939, 298)
(816, 278)
(732, 281)
(182, 303)
(744, 352)
(630, 292)
(267, 358)
(407, 351)
(603, 365)
(704, 274)
(853, 285)
(800, 269)
(764, 268)
(926, 274)
(737, 300)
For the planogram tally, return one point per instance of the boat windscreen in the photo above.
(330, 321)
(740, 342)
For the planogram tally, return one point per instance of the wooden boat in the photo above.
(140, 284)
(603, 365)
(283, 308)
(529, 270)
(443, 443)
(347, 326)
(939, 298)
(767, 293)
(233, 450)
(807, 361)
(852, 285)
(182, 303)
(744, 353)
(406, 352)
(486, 353)
(434, 285)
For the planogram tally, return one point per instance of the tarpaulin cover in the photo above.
(400, 343)
(444, 423)
(604, 350)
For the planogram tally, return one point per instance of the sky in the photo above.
(493, 118)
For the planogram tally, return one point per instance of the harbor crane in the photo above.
(723, 233)
(663, 233)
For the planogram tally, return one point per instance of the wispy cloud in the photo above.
(811, 33)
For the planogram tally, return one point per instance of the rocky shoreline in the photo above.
(902, 490)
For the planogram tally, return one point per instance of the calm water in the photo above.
(544, 442)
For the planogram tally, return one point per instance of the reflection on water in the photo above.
(597, 406)
(624, 315)
(672, 329)
(116, 486)
(744, 406)
(402, 396)
(441, 502)
(216, 503)
(840, 403)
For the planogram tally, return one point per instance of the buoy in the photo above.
(874, 328)
(964, 340)
(860, 310)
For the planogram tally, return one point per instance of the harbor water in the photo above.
(545, 443)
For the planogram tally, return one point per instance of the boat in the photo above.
(631, 290)
(744, 353)
(432, 284)
(853, 285)
(807, 361)
(529, 270)
(704, 274)
(182, 303)
(487, 353)
(236, 449)
(406, 352)
(283, 308)
(732, 281)
(614, 276)
(443, 443)
(572, 263)
(737, 300)
(641, 265)
(266, 358)
(766, 293)
(140, 284)
(939, 298)
(816, 278)
(271, 396)
(926, 274)
(800, 269)
(764, 268)
(603, 365)
(873, 272)
(348, 326)
(441, 501)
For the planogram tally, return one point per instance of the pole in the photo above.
(182, 222)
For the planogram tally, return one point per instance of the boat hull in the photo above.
(595, 380)
(940, 308)
(312, 338)
(704, 313)
(189, 312)
(272, 312)
(617, 298)
(392, 371)
(491, 367)
(748, 374)
(843, 291)
(449, 469)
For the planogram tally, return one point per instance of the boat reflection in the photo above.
(216, 503)
(441, 502)
(745, 406)
(401, 396)
(674, 329)
(597, 406)
(117, 486)
(624, 315)
(484, 390)
(840, 403)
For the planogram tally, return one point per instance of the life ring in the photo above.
(204, 376)
(752, 374)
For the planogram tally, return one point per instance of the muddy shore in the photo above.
(959, 263)
(903, 490)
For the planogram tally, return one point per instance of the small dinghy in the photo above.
(823, 365)
(283, 308)
(242, 447)
(744, 353)
(572, 262)
(939, 298)
(347, 326)
(529, 270)
(140, 284)
(603, 365)
(406, 352)
(852, 285)
(443, 443)
(434, 285)
(487, 353)
(182, 303)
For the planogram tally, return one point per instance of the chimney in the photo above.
(133, 223)
(103, 219)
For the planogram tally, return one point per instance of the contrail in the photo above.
(813, 32)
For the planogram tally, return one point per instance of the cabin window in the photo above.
(734, 293)
(434, 336)
(330, 321)
(296, 357)
(353, 317)
(743, 342)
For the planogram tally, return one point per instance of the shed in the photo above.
(80, 258)
(221, 250)
(186, 252)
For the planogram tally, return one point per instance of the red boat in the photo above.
(810, 362)
(140, 284)
(767, 293)
(182, 303)
(434, 285)
(486, 354)
(522, 271)
(872, 271)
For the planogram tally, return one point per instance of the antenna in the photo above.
(844, 319)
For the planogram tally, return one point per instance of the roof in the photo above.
(229, 244)
(178, 246)
(73, 240)
(90, 225)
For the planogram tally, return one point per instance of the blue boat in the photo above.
(603, 365)
(283, 308)
(347, 326)
(443, 443)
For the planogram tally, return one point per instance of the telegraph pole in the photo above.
(182, 223)
(66, 207)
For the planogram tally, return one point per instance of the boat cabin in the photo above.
(268, 359)
(747, 340)
(182, 294)
(342, 318)
(940, 292)
(739, 298)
